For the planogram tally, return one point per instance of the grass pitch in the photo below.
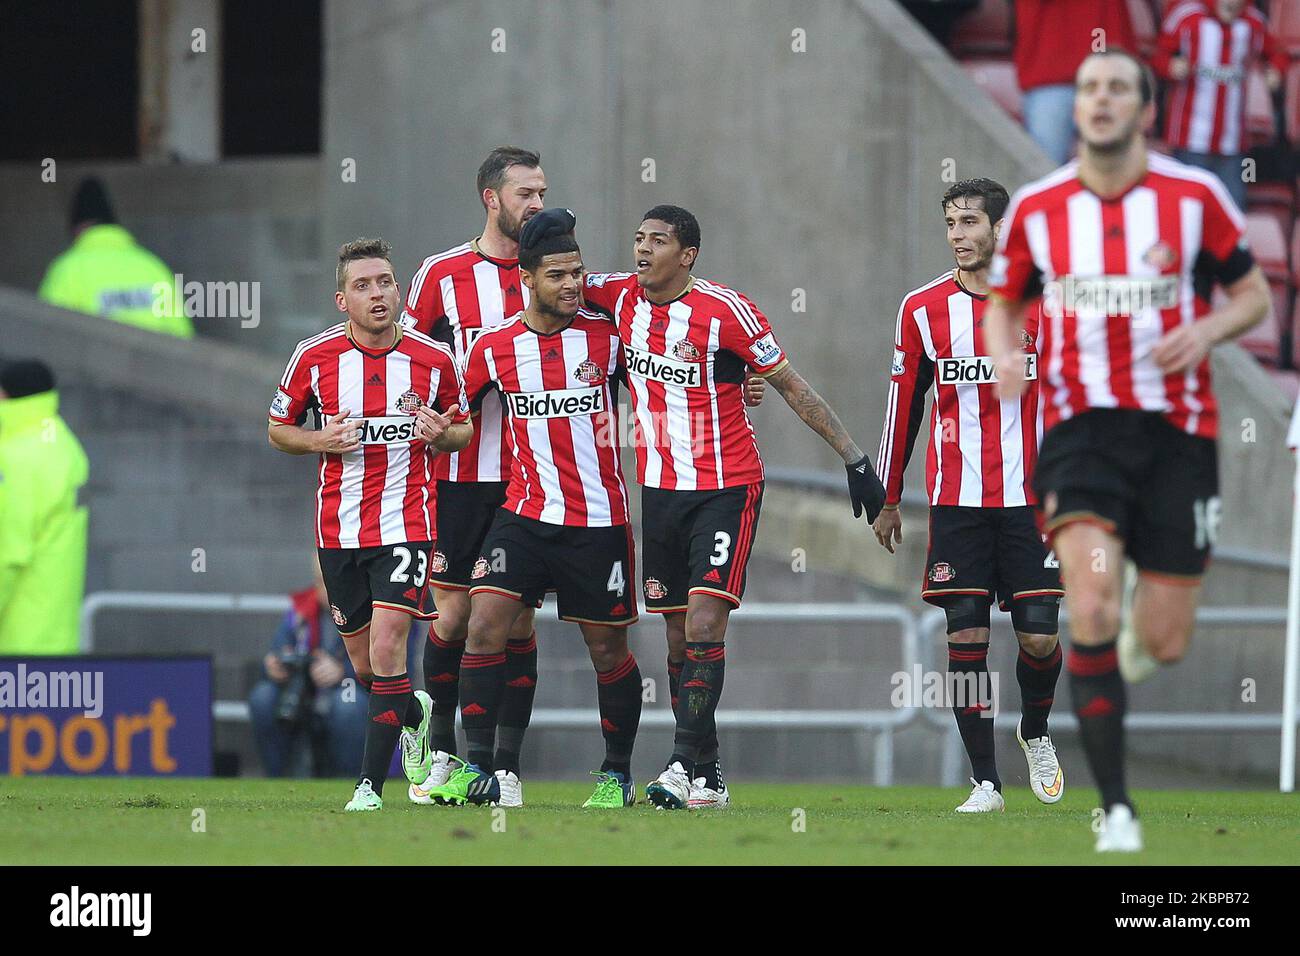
(99, 820)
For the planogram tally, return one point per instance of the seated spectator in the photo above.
(42, 525)
(305, 718)
(1052, 38)
(106, 273)
(1205, 117)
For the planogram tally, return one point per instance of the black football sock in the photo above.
(697, 701)
(442, 681)
(517, 701)
(707, 766)
(483, 683)
(968, 670)
(674, 681)
(1097, 691)
(618, 693)
(1037, 677)
(365, 683)
(389, 699)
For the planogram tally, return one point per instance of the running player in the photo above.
(564, 523)
(388, 401)
(688, 343)
(454, 297)
(1123, 246)
(984, 542)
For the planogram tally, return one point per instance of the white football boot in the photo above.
(1135, 664)
(439, 772)
(1045, 776)
(671, 790)
(364, 798)
(706, 798)
(983, 799)
(1120, 832)
(512, 791)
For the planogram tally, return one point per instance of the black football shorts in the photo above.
(591, 570)
(995, 553)
(360, 579)
(1143, 480)
(465, 511)
(697, 542)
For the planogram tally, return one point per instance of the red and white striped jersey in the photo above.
(558, 392)
(1206, 112)
(455, 297)
(1114, 275)
(686, 366)
(982, 449)
(379, 494)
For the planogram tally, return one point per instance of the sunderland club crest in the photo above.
(941, 573)
(589, 372)
(408, 403)
(685, 351)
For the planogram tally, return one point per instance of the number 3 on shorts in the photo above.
(721, 549)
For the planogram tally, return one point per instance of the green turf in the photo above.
(112, 820)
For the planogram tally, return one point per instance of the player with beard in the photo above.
(689, 344)
(984, 542)
(564, 524)
(388, 401)
(1123, 247)
(455, 297)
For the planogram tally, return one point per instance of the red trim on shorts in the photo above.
(740, 557)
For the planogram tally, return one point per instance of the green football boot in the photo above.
(416, 755)
(613, 791)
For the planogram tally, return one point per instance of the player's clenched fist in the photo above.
(340, 436)
(430, 425)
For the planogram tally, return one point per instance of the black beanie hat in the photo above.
(26, 377)
(547, 224)
(91, 203)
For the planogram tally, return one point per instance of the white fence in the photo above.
(916, 633)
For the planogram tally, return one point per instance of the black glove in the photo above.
(865, 490)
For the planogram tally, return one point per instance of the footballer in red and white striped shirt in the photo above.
(1122, 248)
(564, 525)
(1208, 50)
(982, 450)
(688, 345)
(455, 296)
(558, 392)
(984, 543)
(386, 401)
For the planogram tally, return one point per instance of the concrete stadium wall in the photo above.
(237, 221)
(817, 171)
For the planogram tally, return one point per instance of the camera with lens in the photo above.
(297, 693)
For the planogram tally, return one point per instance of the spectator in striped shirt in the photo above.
(1207, 51)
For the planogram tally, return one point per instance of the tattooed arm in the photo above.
(814, 411)
(866, 493)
